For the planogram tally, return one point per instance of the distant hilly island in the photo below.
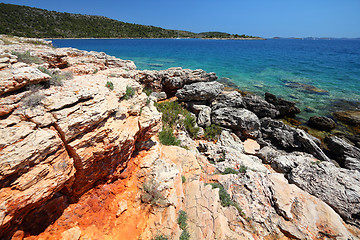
(26, 21)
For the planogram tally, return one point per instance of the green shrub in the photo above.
(159, 237)
(130, 92)
(183, 179)
(212, 132)
(182, 221)
(95, 71)
(56, 78)
(151, 194)
(147, 91)
(27, 57)
(242, 169)
(185, 235)
(189, 124)
(109, 85)
(229, 171)
(171, 112)
(222, 157)
(225, 198)
(167, 137)
(182, 218)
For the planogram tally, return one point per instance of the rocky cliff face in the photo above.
(80, 157)
(57, 142)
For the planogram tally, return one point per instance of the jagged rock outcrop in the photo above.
(340, 188)
(14, 79)
(289, 138)
(228, 99)
(172, 79)
(346, 154)
(199, 91)
(63, 139)
(259, 106)
(285, 107)
(276, 208)
(237, 119)
(204, 117)
(81, 160)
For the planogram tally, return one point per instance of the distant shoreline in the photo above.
(164, 38)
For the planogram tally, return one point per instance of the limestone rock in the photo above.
(200, 91)
(159, 95)
(340, 188)
(173, 78)
(260, 107)
(251, 146)
(290, 138)
(14, 79)
(311, 146)
(229, 140)
(204, 117)
(279, 209)
(237, 119)
(345, 153)
(267, 154)
(228, 99)
(122, 208)
(72, 234)
(40, 166)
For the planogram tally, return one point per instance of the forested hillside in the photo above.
(34, 22)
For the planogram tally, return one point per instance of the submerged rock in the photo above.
(321, 123)
(306, 88)
(349, 117)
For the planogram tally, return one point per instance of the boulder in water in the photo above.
(321, 123)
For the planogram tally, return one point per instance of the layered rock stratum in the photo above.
(80, 156)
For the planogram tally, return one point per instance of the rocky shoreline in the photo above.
(81, 155)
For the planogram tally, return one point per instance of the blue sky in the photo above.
(267, 18)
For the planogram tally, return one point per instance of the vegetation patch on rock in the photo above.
(56, 77)
(26, 57)
(167, 137)
(151, 194)
(174, 114)
(130, 92)
(225, 198)
(182, 221)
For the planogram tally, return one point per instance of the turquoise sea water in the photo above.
(320, 75)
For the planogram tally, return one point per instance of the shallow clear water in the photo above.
(320, 75)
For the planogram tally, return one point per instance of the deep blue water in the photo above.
(288, 67)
